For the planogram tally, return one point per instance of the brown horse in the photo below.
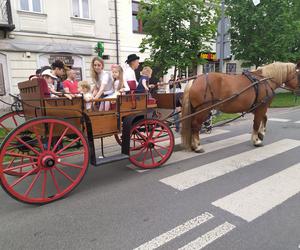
(233, 94)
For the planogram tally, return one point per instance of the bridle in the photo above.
(296, 74)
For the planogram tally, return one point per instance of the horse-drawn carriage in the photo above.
(47, 153)
(52, 142)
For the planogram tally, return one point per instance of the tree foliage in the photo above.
(264, 33)
(176, 31)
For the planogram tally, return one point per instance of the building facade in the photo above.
(33, 33)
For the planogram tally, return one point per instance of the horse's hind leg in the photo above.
(259, 122)
(196, 125)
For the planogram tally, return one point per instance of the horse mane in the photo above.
(278, 71)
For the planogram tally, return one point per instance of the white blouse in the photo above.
(129, 75)
(106, 80)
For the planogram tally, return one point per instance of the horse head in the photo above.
(293, 78)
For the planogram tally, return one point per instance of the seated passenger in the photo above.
(70, 84)
(103, 82)
(130, 82)
(118, 84)
(143, 86)
(85, 89)
(50, 78)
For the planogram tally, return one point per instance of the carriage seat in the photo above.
(36, 88)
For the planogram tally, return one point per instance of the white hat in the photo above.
(48, 72)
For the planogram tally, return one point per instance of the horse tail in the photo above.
(186, 131)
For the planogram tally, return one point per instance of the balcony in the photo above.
(6, 22)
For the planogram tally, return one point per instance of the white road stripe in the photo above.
(211, 147)
(297, 122)
(260, 197)
(278, 120)
(193, 177)
(187, 155)
(209, 237)
(175, 232)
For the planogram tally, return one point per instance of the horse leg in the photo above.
(259, 116)
(196, 125)
(262, 128)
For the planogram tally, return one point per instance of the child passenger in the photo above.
(118, 81)
(143, 86)
(85, 89)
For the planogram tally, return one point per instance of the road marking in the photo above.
(210, 146)
(278, 120)
(209, 237)
(175, 232)
(297, 122)
(260, 197)
(201, 174)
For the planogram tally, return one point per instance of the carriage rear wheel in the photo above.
(53, 166)
(151, 143)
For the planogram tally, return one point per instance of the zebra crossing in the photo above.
(248, 203)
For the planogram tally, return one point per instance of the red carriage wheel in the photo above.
(53, 165)
(151, 143)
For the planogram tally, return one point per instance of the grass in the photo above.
(285, 100)
(223, 117)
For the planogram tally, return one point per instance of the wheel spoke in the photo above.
(64, 174)
(162, 140)
(71, 154)
(44, 184)
(162, 147)
(141, 136)
(37, 136)
(50, 135)
(20, 155)
(138, 154)
(160, 154)
(27, 145)
(19, 167)
(151, 153)
(153, 130)
(67, 164)
(60, 139)
(54, 181)
(23, 177)
(4, 127)
(32, 184)
(69, 145)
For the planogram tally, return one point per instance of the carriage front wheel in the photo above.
(151, 143)
(54, 164)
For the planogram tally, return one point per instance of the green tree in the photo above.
(176, 31)
(264, 33)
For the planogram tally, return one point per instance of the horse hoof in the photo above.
(261, 136)
(199, 150)
(258, 143)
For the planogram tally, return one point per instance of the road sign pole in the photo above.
(221, 62)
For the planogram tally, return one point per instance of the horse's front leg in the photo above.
(259, 126)
(262, 128)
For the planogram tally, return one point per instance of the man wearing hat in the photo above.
(130, 82)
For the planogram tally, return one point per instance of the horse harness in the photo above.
(255, 81)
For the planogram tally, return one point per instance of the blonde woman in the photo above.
(103, 82)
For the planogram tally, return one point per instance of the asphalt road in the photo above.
(232, 197)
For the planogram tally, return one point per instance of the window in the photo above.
(81, 8)
(137, 25)
(31, 5)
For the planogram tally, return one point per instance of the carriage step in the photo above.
(109, 159)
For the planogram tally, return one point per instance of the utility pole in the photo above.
(222, 34)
